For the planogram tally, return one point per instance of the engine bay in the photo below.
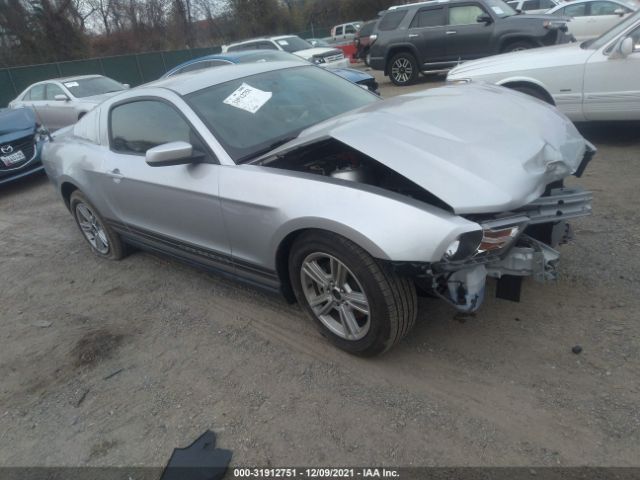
(332, 158)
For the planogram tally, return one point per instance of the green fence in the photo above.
(132, 69)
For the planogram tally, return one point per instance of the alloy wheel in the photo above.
(335, 296)
(402, 70)
(92, 228)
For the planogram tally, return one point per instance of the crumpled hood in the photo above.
(478, 147)
(16, 123)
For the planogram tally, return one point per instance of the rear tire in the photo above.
(403, 69)
(104, 242)
(361, 306)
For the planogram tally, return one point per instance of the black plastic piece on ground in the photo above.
(508, 288)
(199, 461)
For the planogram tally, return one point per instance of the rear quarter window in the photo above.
(392, 20)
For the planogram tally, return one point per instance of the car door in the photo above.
(427, 31)
(467, 38)
(579, 25)
(603, 15)
(60, 113)
(175, 208)
(611, 86)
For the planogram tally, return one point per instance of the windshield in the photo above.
(251, 116)
(501, 9)
(87, 87)
(612, 33)
(293, 44)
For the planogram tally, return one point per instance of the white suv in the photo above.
(323, 57)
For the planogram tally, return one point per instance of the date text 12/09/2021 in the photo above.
(328, 473)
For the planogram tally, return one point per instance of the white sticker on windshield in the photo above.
(248, 98)
(498, 10)
(71, 84)
(283, 42)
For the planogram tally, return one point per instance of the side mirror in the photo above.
(61, 98)
(620, 12)
(626, 47)
(484, 18)
(172, 153)
(126, 86)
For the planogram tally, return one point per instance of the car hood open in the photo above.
(477, 147)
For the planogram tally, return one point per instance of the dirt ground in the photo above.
(117, 363)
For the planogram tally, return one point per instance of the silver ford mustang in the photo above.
(293, 179)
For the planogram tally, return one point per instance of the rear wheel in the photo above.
(403, 69)
(518, 46)
(103, 241)
(360, 305)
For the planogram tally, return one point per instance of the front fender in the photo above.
(263, 205)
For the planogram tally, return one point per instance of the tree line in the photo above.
(41, 31)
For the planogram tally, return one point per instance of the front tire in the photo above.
(362, 306)
(532, 92)
(104, 242)
(403, 69)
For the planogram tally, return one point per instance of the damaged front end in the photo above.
(516, 245)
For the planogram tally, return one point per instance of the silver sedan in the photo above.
(293, 179)
(62, 101)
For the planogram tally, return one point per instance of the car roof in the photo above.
(257, 39)
(189, 82)
(418, 4)
(231, 57)
(575, 2)
(68, 79)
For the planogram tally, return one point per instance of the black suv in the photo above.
(437, 35)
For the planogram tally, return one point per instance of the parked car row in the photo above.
(593, 80)
(270, 148)
(437, 35)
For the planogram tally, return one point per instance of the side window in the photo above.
(604, 8)
(464, 14)
(138, 126)
(339, 30)
(36, 93)
(53, 90)
(349, 29)
(428, 17)
(391, 20)
(531, 5)
(546, 4)
(577, 10)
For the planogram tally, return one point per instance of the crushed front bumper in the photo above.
(546, 219)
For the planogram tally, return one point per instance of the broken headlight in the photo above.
(466, 245)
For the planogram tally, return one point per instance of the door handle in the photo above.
(115, 174)
(414, 35)
(450, 32)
